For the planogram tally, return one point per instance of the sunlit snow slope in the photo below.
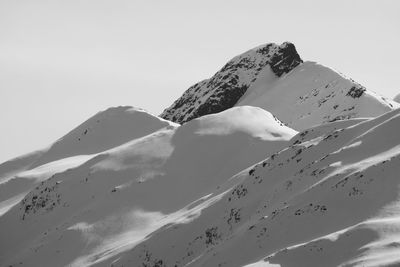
(331, 198)
(301, 95)
(312, 94)
(278, 162)
(105, 130)
(110, 202)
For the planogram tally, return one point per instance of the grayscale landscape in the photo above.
(274, 160)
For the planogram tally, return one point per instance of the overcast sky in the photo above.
(63, 61)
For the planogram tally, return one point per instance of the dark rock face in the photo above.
(356, 91)
(227, 86)
(285, 59)
(225, 96)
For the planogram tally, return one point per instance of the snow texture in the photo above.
(279, 162)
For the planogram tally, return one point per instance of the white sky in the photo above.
(63, 61)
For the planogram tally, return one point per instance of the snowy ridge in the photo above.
(227, 86)
(274, 78)
(278, 162)
(103, 131)
(89, 213)
(320, 200)
(295, 207)
(312, 94)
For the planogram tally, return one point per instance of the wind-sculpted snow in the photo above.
(105, 130)
(327, 199)
(328, 194)
(111, 201)
(227, 86)
(279, 162)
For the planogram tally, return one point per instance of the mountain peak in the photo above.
(283, 58)
(281, 163)
(275, 78)
(228, 85)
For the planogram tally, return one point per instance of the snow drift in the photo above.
(330, 198)
(278, 162)
(112, 200)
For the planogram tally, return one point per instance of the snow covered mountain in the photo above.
(330, 198)
(115, 198)
(274, 78)
(105, 130)
(228, 85)
(278, 162)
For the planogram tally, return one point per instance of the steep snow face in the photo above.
(253, 121)
(112, 201)
(331, 197)
(227, 86)
(312, 94)
(103, 131)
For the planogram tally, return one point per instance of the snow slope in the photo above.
(105, 130)
(328, 199)
(110, 202)
(235, 185)
(184, 196)
(9, 168)
(301, 95)
(312, 94)
(228, 85)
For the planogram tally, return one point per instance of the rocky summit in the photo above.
(227, 86)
